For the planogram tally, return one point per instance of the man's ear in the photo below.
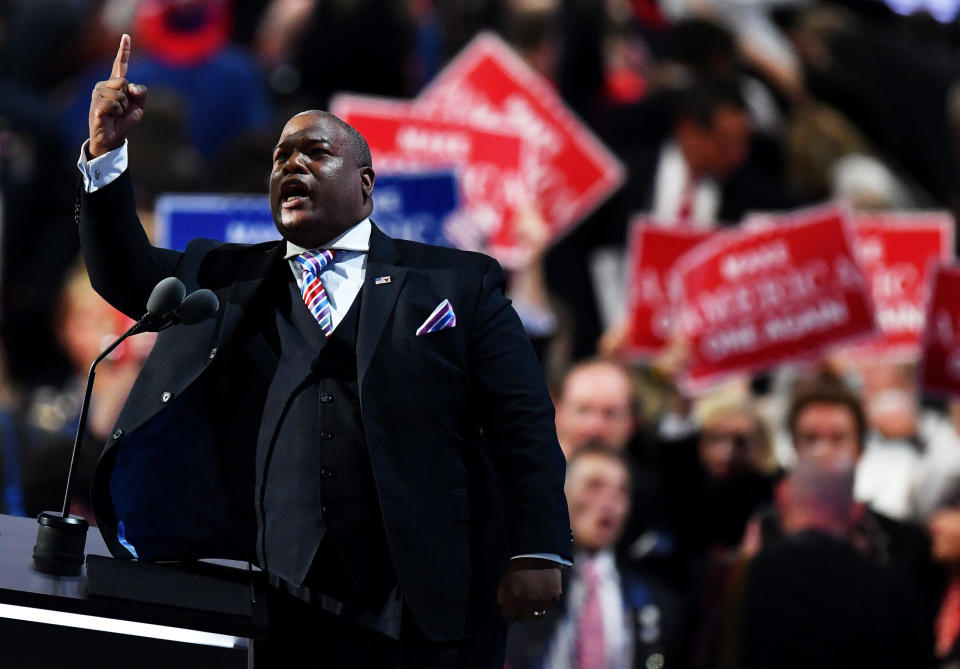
(367, 179)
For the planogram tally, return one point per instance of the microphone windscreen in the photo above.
(166, 296)
(198, 306)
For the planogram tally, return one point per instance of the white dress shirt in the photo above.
(671, 180)
(102, 170)
(619, 645)
(342, 280)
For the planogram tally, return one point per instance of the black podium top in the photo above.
(202, 596)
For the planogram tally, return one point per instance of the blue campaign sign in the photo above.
(228, 218)
(407, 206)
(416, 206)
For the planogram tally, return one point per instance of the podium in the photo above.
(124, 613)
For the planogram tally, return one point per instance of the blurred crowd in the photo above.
(809, 516)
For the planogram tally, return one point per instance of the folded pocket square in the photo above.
(441, 319)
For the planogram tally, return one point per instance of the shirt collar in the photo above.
(356, 238)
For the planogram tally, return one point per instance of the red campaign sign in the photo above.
(756, 297)
(652, 309)
(940, 365)
(487, 162)
(568, 171)
(896, 251)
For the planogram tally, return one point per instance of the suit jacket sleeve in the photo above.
(518, 424)
(122, 264)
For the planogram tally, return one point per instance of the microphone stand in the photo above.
(61, 537)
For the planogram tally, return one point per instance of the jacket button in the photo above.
(212, 354)
(327, 474)
(655, 661)
(326, 435)
(326, 398)
(117, 434)
(165, 397)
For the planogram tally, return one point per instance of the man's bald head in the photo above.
(361, 150)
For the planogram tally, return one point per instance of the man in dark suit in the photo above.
(816, 597)
(610, 615)
(364, 418)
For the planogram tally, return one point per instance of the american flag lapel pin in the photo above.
(381, 280)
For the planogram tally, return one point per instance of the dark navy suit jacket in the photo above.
(458, 422)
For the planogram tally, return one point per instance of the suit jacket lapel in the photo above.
(293, 368)
(251, 277)
(379, 299)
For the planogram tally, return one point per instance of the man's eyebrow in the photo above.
(320, 139)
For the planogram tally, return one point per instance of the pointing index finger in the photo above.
(123, 57)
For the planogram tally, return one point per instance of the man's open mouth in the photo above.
(293, 193)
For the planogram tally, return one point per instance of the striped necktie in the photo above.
(312, 264)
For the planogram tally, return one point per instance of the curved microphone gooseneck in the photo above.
(61, 537)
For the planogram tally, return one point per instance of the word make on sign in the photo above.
(756, 297)
(653, 301)
(897, 251)
(568, 172)
(940, 365)
(487, 162)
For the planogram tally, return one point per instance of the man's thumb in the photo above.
(137, 91)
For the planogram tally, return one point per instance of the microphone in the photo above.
(197, 307)
(166, 297)
(61, 537)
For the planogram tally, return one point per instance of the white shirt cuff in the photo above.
(553, 557)
(102, 170)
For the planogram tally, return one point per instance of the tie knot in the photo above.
(314, 262)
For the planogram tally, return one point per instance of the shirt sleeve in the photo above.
(102, 170)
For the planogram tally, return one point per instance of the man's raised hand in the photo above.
(117, 105)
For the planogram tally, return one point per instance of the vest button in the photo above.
(117, 434)
(165, 397)
(326, 435)
(327, 474)
(326, 398)
(323, 509)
